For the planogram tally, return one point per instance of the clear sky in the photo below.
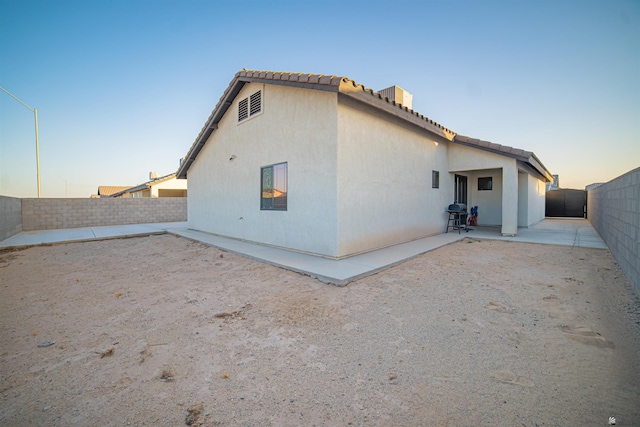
(123, 88)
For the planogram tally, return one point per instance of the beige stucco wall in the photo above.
(297, 126)
(385, 194)
(523, 199)
(358, 179)
(171, 184)
(489, 202)
(462, 158)
(171, 188)
(531, 199)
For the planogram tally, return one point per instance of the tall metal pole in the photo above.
(35, 112)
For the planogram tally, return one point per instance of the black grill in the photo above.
(457, 208)
(457, 217)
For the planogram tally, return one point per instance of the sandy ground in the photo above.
(162, 331)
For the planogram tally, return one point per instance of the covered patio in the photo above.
(506, 184)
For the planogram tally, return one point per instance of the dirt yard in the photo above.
(162, 331)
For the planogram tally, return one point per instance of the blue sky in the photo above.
(123, 88)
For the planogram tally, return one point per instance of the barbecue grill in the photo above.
(457, 217)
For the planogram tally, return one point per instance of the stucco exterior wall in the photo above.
(171, 184)
(358, 179)
(385, 193)
(536, 201)
(614, 211)
(297, 126)
(10, 216)
(462, 158)
(489, 202)
(523, 199)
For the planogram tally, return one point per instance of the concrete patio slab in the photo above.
(551, 231)
(28, 238)
(337, 272)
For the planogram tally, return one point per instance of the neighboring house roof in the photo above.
(110, 190)
(146, 185)
(345, 86)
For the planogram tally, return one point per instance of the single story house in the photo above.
(323, 165)
(164, 186)
(108, 190)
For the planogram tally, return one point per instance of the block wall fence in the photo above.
(50, 214)
(10, 217)
(614, 211)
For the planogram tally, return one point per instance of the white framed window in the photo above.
(250, 106)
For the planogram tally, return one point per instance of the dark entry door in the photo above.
(460, 190)
(565, 203)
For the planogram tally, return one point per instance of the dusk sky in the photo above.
(123, 88)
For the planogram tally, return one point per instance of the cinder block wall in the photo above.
(49, 214)
(10, 217)
(614, 211)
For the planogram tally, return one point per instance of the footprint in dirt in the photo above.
(555, 354)
(585, 335)
(499, 307)
(507, 377)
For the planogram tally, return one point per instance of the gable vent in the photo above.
(243, 109)
(256, 103)
(250, 106)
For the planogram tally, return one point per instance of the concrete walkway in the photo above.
(28, 238)
(566, 232)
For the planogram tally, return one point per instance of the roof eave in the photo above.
(490, 149)
(211, 124)
(537, 164)
(527, 157)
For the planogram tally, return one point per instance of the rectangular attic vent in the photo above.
(249, 107)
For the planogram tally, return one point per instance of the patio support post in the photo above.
(510, 200)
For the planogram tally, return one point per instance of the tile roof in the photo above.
(516, 153)
(495, 148)
(109, 190)
(331, 83)
(342, 85)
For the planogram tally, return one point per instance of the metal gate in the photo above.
(565, 203)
